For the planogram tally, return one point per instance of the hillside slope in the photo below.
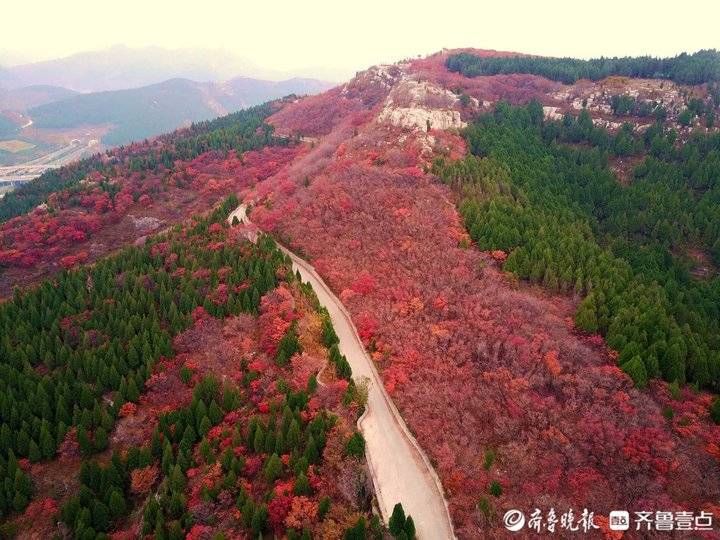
(227, 422)
(499, 385)
(399, 468)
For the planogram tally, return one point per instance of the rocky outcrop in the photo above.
(421, 105)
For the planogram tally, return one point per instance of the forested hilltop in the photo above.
(698, 68)
(527, 345)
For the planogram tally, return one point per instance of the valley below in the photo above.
(24, 172)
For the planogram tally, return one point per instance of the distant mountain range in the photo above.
(138, 113)
(22, 99)
(121, 67)
(138, 92)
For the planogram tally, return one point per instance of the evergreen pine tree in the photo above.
(177, 479)
(311, 454)
(302, 485)
(86, 447)
(34, 452)
(355, 445)
(323, 507)
(116, 504)
(357, 531)
(205, 425)
(397, 520)
(586, 318)
(101, 439)
(410, 528)
(293, 435)
(259, 519)
(636, 369)
(273, 468)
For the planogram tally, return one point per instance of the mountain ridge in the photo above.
(122, 67)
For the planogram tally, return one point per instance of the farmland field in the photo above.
(15, 146)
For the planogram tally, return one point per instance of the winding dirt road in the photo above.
(400, 470)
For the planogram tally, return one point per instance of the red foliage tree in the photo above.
(278, 509)
(70, 261)
(364, 284)
(276, 314)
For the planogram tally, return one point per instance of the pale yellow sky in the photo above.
(343, 37)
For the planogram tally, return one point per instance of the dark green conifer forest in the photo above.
(543, 191)
(75, 349)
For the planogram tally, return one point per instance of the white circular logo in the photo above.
(514, 520)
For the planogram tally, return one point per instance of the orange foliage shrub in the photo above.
(552, 363)
(142, 480)
(302, 513)
(128, 409)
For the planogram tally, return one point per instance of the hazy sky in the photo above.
(343, 37)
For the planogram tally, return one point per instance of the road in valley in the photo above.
(400, 470)
(24, 172)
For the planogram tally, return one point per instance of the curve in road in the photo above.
(400, 470)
